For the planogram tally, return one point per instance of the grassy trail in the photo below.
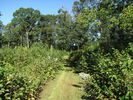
(64, 87)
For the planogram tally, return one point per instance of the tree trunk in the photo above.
(51, 47)
(78, 47)
(71, 49)
(100, 27)
(27, 39)
(99, 19)
(8, 44)
(0, 45)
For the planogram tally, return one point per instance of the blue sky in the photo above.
(8, 7)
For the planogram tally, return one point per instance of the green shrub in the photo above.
(81, 59)
(113, 78)
(112, 73)
(26, 70)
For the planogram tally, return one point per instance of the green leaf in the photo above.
(1, 85)
(8, 98)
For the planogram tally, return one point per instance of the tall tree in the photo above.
(105, 18)
(80, 33)
(11, 35)
(41, 24)
(50, 29)
(110, 14)
(79, 7)
(27, 19)
(34, 34)
(64, 29)
(47, 24)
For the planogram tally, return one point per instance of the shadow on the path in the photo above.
(83, 97)
(76, 85)
(81, 83)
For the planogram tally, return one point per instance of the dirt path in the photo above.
(64, 87)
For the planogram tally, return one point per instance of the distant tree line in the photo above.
(107, 22)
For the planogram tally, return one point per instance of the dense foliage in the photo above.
(23, 71)
(99, 36)
(112, 74)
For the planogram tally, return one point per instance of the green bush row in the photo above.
(23, 71)
(112, 73)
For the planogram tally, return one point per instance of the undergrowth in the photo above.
(112, 73)
(23, 71)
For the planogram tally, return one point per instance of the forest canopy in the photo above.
(107, 22)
